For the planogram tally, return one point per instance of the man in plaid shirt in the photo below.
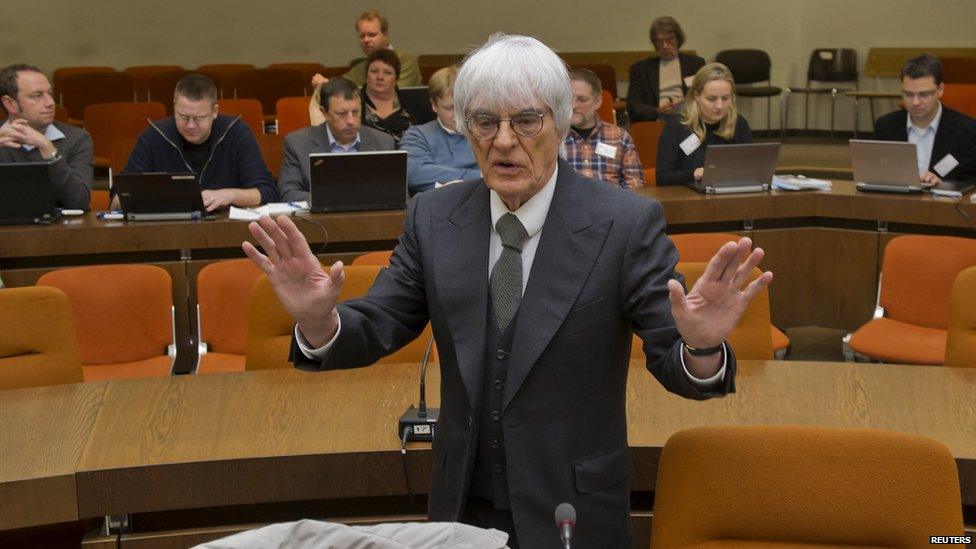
(597, 149)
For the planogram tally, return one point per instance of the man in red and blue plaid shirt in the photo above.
(597, 149)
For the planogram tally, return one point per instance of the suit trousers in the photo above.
(481, 512)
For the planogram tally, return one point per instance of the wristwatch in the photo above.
(702, 351)
(57, 156)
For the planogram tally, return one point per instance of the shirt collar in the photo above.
(596, 128)
(333, 143)
(52, 133)
(533, 212)
(445, 128)
(934, 124)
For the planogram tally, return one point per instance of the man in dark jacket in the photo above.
(219, 149)
(658, 84)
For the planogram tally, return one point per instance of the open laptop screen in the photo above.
(358, 181)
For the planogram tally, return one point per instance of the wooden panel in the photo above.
(43, 432)
(887, 62)
(822, 277)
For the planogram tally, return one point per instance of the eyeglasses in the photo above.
(921, 95)
(484, 127)
(670, 40)
(185, 118)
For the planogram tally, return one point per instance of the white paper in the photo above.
(608, 151)
(271, 209)
(946, 165)
(690, 144)
(788, 182)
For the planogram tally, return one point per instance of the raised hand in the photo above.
(305, 290)
(707, 314)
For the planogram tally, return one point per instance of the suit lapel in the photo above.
(568, 248)
(461, 263)
(941, 145)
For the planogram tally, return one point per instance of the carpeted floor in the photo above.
(815, 343)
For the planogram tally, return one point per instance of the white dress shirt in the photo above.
(924, 139)
(335, 146)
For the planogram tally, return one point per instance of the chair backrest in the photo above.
(426, 71)
(162, 85)
(99, 201)
(123, 313)
(960, 97)
(606, 74)
(227, 75)
(82, 89)
(307, 69)
(119, 154)
(59, 73)
(700, 247)
(269, 85)
(381, 258)
(606, 110)
(272, 150)
(249, 110)
(747, 66)
(270, 328)
(142, 73)
(646, 137)
(917, 273)
(961, 338)
(223, 297)
(958, 70)
(803, 487)
(292, 114)
(60, 113)
(37, 344)
(111, 122)
(832, 65)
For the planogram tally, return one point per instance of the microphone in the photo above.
(418, 424)
(566, 522)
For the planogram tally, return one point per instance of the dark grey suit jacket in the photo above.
(956, 135)
(644, 90)
(293, 180)
(71, 177)
(600, 271)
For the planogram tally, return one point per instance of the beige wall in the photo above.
(131, 32)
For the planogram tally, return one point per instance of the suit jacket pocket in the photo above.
(595, 473)
(583, 317)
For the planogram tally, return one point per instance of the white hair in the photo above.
(511, 71)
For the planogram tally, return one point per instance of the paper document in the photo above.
(787, 182)
(272, 209)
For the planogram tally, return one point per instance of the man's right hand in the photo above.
(318, 80)
(305, 290)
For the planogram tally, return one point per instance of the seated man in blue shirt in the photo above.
(437, 153)
(219, 149)
(342, 132)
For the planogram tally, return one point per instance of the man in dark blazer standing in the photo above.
(342, 131)
(658, 84)
(945, 140)
(533, 279)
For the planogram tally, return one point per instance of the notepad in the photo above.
(272, 209)
(788, 182)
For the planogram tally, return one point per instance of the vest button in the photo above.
(499, 469)
(496, 444)
(495, 415)
(500, 354)
(498, 385)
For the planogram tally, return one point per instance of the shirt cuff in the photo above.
(705, 383)
(322, 352)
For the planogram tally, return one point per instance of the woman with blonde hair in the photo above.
(710, 118)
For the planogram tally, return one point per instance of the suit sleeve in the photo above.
(409, 71)
(669, 169)
(649, 263)
(292, 186)
(391, 314)
(72, 175)
(641, 99)
(422, 168)
(965, 154)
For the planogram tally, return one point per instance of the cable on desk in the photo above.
(406, 474)
(958, 206)
(325, 233)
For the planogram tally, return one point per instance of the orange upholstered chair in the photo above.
(226, 75)
(37, 344)
(273, 150)
(381, 258)
(270, 328)
(119, 154)
(99, 201)
(249, 110)
(268, 86)
(787, 486)
(909, 324)
(308, 70)
(960, 97)
(646, 136)
(141, 75)
(961, 338)
(700, 247)
(110, 122)
(123, 317)
(292, 114)
(223, 292)
(59, 73)
(606, 111)
(82, 89)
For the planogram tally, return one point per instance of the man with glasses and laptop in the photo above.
(220, 150)
(945, 140)
(341, 132)
(31, 135)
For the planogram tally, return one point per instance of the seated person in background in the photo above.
(219, 149)
(596, 149)
(709, 118)
(341, 132)
(30, 134)
(373, 30)
(945, 139)
(658, 84)
(437, 153)
(384, 108)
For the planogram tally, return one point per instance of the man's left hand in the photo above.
(929, 179)
(707, 314)
(218, 198)
(20, 132)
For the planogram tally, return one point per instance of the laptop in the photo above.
(739, 168)
(358, 181)
(159, 196)
(885, 166)
(28, 197)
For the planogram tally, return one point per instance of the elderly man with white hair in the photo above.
(533, 279)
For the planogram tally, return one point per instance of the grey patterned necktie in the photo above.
(506, 275)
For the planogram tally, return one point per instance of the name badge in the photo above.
(946, 165)
(687, 81)
(690, 144)
(608, 151)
